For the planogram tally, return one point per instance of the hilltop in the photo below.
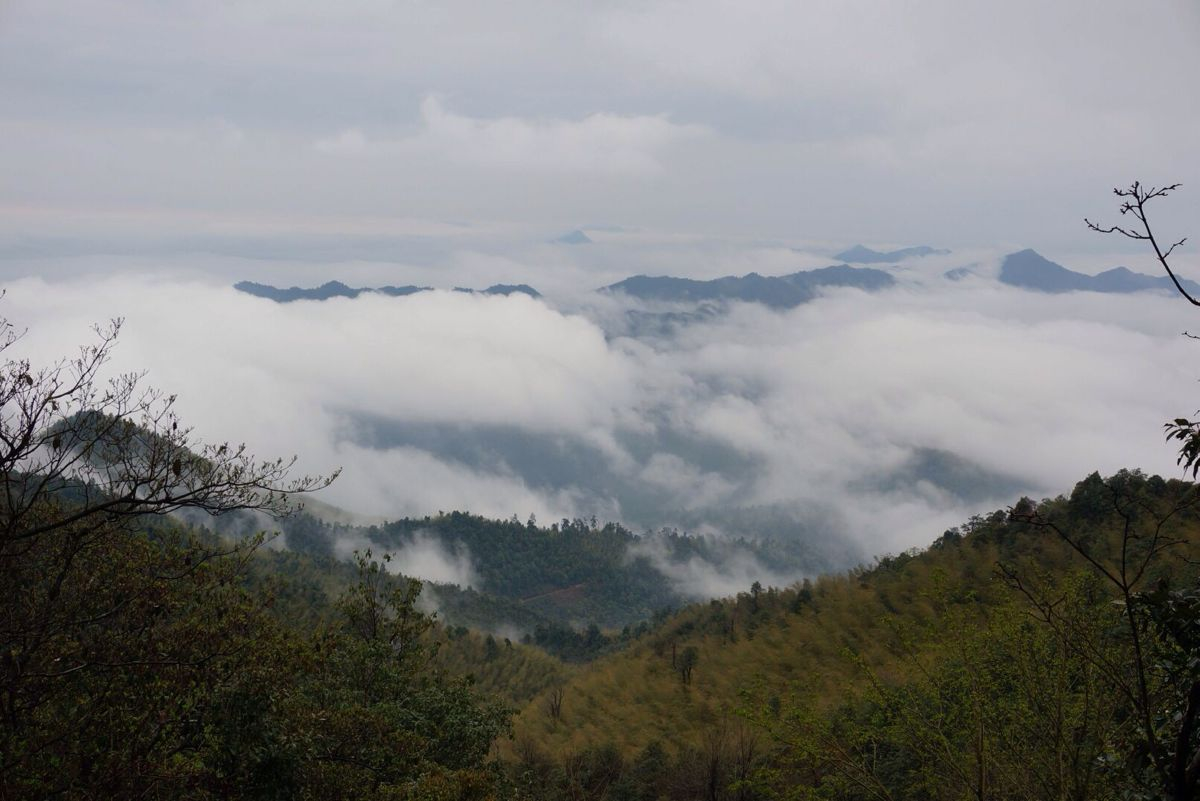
(1028, 269)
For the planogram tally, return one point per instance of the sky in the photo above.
(152, 154)
(835, 121)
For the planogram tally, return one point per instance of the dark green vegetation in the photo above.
(1044, 652)
(1049, 651)
(540, 580)
(142, 660)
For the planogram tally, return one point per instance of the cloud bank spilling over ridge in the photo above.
(871, 420)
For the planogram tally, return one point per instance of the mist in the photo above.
(870, 421)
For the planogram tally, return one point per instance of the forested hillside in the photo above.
(568, 573)
(1043, 652)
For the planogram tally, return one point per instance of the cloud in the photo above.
(875, 421)
(349, 142)
(428, 558)
(735, 569)
(843, 120)
(599, 143)
(420, 556)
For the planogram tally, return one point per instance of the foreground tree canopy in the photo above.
(141, 659)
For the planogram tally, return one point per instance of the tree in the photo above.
(554, 703)
(976, 702)
(114, 623)
(143, 659)
(1136, 197)
(688, 658)
(1173, 749)
(369, 715)
(96, 451)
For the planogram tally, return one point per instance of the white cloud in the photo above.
(497, 405)
(599, 143)
(429, 558)
(420, 556)
(734, 570)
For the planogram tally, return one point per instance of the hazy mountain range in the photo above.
(336, 289)
(1026, 269)
(784, 291)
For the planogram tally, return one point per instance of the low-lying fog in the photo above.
(883, 417)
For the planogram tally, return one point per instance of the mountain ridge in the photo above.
(785, 291)
(336, 289)
(1028, 269)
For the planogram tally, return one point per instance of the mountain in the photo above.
(575, 237)
(336, 289)
(911, 658)
(864, 255)
(522, 574)
(503, 289)
(512, 289)
(330, 289)
(785, 291)
(1028, 269)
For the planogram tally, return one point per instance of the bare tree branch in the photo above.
(1136, 198)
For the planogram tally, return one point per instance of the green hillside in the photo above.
(935, 658)
(567, 573)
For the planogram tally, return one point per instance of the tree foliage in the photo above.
(139, 659)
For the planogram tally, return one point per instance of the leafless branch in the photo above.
(1135, 199)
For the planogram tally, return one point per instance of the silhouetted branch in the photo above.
(1136, 198)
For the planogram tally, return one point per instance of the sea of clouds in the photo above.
(870, 420)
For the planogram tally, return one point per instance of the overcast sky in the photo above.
(830, 121)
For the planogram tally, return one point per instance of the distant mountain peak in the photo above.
(575, 237)
(1029, 269)
(512, 289)
(502, 289)
(861, 254)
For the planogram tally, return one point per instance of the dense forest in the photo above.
(530, 575)
(1047, 651)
